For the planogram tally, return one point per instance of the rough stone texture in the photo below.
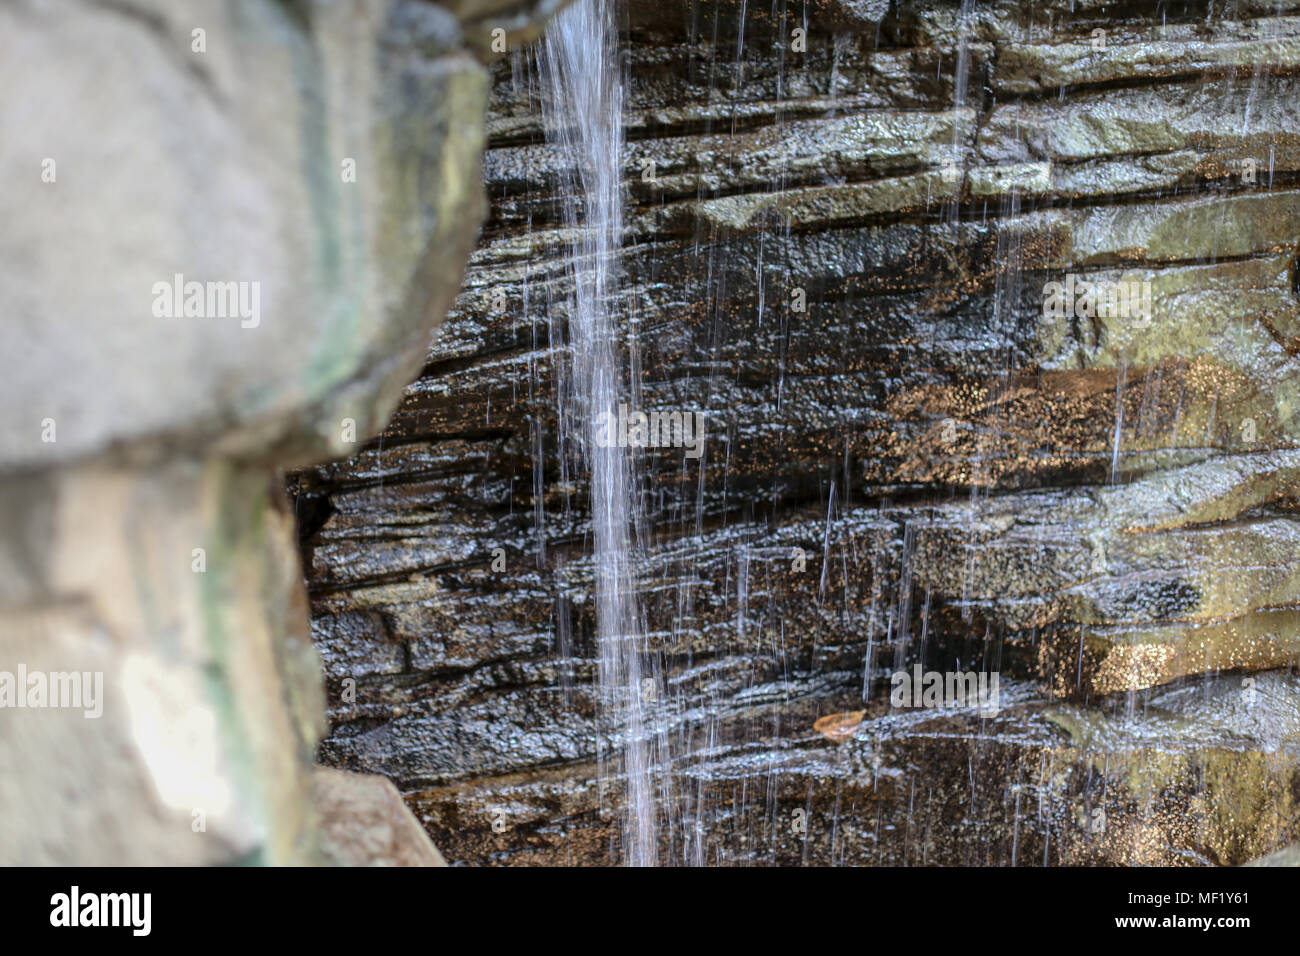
(143, 527)
(210, 706)
(239, 185)
(1288, 856)
(1195, 775)
(920, 467)
(365, 822)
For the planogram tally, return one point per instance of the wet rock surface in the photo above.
(1204, 773)
(840, 256)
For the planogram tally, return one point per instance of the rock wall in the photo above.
(230, 228)
(840, 254)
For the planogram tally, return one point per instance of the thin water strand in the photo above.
(583, 109)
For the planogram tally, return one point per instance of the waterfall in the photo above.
(583, 105)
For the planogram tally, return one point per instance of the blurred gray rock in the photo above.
(313, 167)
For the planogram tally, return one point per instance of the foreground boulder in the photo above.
(365, 823)
(230, 230)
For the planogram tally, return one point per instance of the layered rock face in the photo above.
(230, 229)
(861, 240)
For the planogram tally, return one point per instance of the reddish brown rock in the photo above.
(364, 822)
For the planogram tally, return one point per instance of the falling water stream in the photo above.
(583, 103)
